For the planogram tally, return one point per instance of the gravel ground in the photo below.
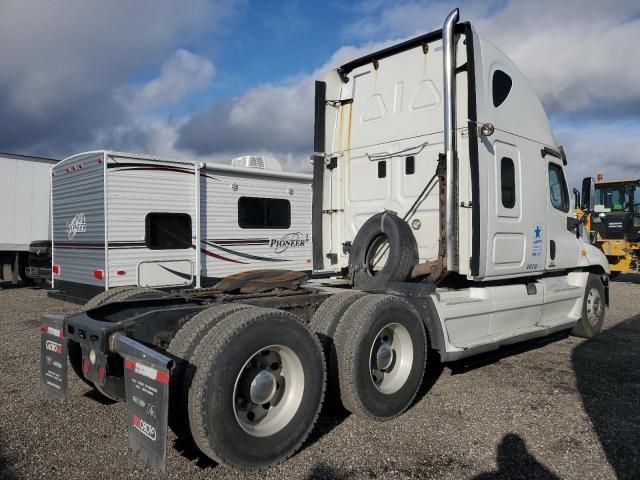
(566, 408)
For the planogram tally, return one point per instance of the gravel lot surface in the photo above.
(567, 408)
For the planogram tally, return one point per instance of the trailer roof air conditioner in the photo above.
(257, 161)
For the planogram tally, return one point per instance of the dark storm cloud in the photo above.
(64, 62)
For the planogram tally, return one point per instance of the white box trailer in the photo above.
(123, 220)
(441, 205)
(24, 210)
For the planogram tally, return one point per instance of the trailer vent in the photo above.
(257, 161)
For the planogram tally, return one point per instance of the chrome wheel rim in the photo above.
(391, 358)
(594, 306)
(268, 390)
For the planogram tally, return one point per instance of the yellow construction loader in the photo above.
(610, 213)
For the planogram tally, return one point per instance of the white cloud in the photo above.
(183, 74)
(611, 149)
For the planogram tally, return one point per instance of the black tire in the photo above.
(114, 386)
(120, 294)
(222, 356)
(23, 261)
(360, 328)
(181, 349)
(324, 323)
(593, 309)
(402, 252)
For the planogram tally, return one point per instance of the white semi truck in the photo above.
(441, 212)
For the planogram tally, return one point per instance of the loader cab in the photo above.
(379, 139)
(616, 210)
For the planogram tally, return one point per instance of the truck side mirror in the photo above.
(576, 198)
(588, 193)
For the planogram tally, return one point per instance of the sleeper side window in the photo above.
(167, 231)
(508, 182)
(257, 212)
(558, 188)
(500, 87)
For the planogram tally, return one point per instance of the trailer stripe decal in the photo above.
(140, 166)
(215, 255)
(175, 272)
(246, 255)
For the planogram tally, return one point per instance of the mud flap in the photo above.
(146, 376)
(53, 357)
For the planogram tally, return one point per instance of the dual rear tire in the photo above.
(251, 387)
(376, 348)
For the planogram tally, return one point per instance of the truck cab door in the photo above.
(563, 249)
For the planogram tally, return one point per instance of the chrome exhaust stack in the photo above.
(448, 39)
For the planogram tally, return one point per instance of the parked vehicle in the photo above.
(122, 220)
(611, 215)
(24, 217)
(453, 243)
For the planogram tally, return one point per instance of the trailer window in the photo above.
(558, 188)
(168, 231)
(508, 182)
(255, 212)
(501, 86)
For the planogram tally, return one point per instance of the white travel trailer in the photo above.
(121, 220)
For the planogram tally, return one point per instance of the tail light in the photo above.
(85, 366)
(98, 274)
(56, 269)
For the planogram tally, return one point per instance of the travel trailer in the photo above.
(24, 217)
(442, 212)
(122, 220)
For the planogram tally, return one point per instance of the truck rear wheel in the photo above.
(384, 250)
(324, 323)
(258, 388)
(381, 347)
(181, 348)
(593, 309)
(120, 294)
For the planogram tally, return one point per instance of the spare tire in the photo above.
(383, 251)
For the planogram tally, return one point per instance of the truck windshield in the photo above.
(614, 198)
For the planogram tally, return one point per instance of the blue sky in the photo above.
(218, 78)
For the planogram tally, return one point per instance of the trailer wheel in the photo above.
(381, 347)
(324, 323)
(593, 309)
(120, 294)
(258, 388)
(181, 348)
(384, 250)
(23, 261)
